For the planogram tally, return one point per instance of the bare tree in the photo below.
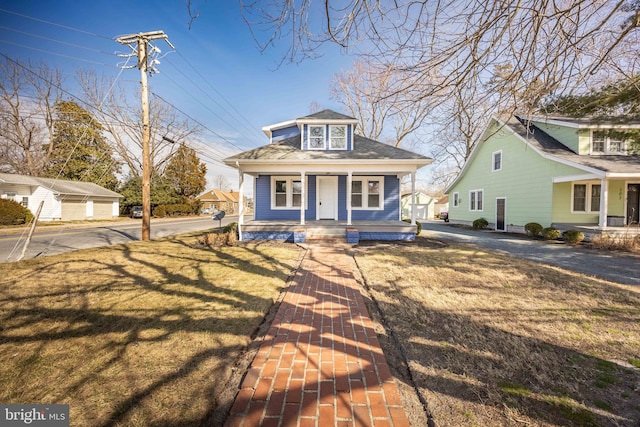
(121, 117)
(220, 182)
(28, 94)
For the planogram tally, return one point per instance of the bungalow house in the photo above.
(63, 200)
(317, 178)
(424, 203)
(218, 200)
(565, 173)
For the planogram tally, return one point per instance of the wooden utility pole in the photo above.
(142, 41)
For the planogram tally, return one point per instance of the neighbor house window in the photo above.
(586, 197)
(25, 202)
(497, 161)
(286, 192)
(456, 200)
(316, 137)
(367, 193)
(475, 200)
(608, 142)
(338, 137)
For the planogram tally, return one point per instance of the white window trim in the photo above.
(324, 137)
(473, 195)
(493, 161)
(607, 144)
(589, 210)
(289, 192)
(365, 192)
(346, 139)
(456, 199)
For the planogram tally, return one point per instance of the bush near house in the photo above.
(179, 209)
(419, 229)
(480, 224)
(533, 229)
(573, 236)
(550, 233)
(13, 213)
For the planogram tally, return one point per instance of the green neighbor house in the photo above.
(565, 173)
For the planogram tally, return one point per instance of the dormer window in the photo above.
(338, 137)
(608, 142)
(316, 137)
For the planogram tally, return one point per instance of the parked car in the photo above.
(136, 212)
(444, 216)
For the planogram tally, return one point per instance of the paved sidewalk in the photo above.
(321, 363)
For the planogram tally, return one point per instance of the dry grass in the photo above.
(624, 242)
(138, 334)
(493, 340)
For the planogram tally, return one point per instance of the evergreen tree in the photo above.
(80, 151)
(186, 173)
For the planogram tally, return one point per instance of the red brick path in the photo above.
(321, 363)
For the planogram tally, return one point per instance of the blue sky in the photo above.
(235, 82)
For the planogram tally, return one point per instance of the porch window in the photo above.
(456, 200)
(286, 193)
(475, 200)
(586, 197)
(338, 137)
(367, 193)
(316, 138)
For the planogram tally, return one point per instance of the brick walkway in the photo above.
(321, 363)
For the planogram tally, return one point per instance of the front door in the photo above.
(633, 204)
(501, 207)
(327, 203)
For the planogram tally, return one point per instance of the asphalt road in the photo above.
(50, 240)
(613, 266)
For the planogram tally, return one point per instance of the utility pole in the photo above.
(142, 42)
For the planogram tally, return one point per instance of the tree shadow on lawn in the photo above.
(133, 336)
(476, 367)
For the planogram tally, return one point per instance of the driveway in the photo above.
(613, 266)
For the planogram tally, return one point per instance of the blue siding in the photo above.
(284, 133)
(391, 212)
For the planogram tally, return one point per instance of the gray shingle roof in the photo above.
(60, 186)
(289, 149)
(545, 143)
(327, 115)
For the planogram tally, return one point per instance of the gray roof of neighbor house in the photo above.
(60, 186)
(289, 150)
(545, 143)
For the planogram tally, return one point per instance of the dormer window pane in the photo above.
(337, 137)
(599, 139)
(316, 137)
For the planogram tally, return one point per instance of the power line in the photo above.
(66, 27)
(55, 40)
(55, 53)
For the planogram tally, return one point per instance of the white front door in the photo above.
(327, 200)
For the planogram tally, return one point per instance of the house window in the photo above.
(497, 161)
(608, 142)
(475, 200)
(338, 137)
(286, 192)
(25, 202)
(456, 200)
(316, 138)
(367, 193)
(586, 197)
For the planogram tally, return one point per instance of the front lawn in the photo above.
(140, 334)
(496, 341)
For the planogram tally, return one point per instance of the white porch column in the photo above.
(303, 196)
(604, 203)
(349, 181)
(413, 198)
(240, 202)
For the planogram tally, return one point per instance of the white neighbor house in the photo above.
(63, 200)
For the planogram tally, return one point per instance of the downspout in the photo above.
(604, 202)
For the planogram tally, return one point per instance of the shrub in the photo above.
(480, 224)
(533, 229)
(573, 236)
(13, 213)
(616, 243)
(418, 224)
(550, 233)
(160, 211)
(177, 209)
